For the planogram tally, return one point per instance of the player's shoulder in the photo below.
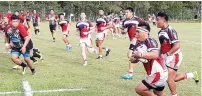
(151, 42)
(8, 28)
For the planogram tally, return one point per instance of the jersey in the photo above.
(16, 35)
(22, 19)
(153, 65)
(64, 25)
(116, 20)
(35, 18)
(52, 18)
(167, 38)
(84, 28)
(28, 16)
(101, 22)
(131, 25)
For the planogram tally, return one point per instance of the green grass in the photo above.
(63, 69)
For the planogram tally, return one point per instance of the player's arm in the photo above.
(25, 35)
(174, 41)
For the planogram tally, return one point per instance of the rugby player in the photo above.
(64, 26)
(102, 25)
(35, 20)
(131, 24)
(52, 18)
(20, 43)
(170, 51)
(146, 51)
(84, 27)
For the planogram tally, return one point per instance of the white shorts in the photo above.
(176, 61)
(86, 41)
(66, 33)
(156, 81)
(101, 35)
(117, 25)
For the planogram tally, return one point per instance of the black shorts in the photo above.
(52, 27)
(35, 24)
(150, 87)
(28, 20)
(131, 47)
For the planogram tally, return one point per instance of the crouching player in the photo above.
(146, 51)
(84, 28)
(20, 43)
(64, 26)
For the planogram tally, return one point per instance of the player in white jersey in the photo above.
(84, 27)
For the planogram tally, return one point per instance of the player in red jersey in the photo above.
(170, 51)
(146, 51)
(36, 21)
(52, 18)
(65, 31)
(102, 25)
(28, 18)
(18, 40)
(8, 15)
(22, 19)
(116, 22)
(131, 24)
(84, 27)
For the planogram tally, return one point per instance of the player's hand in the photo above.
(7, 47)
(103, 28)
(23, 50)
(164, 56)
(136, 54)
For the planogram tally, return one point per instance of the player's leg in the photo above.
(29, 62)
(142, 90)
(192, 75)
(159, 93)
(52, 30)
(171, 81)
(66, 41)
(15, 58)
(37, 53)
(89, 44)
(83, 53)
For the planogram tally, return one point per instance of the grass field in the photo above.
(63, 69)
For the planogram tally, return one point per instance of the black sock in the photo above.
(35, 30)
(23, 64)
(54, 38)
(33, 59)
(36, 55)
(32, 69)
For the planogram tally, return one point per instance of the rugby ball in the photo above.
(141, 48)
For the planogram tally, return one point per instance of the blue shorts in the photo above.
(35, 24)
(18, 53)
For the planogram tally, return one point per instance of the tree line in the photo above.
(180, 10)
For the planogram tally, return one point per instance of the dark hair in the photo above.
(130, 9)
(14, 17)
(60, 14)
(164, 15)
(51, 9)
(16, 11)
(145, 25)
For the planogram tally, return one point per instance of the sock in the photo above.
(38, 30)
(188, 75)
(35, 30)
(174, 95)
(32, 70)
(106, 49)
(23, 64)
(131, 73)
(36, 55)
(53, 38)
(33, 59)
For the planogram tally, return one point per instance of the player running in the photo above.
(84, 27)
(102, 26)
(170, 51)
(146, 51)
(131, 24)
(116, 22)
(36, 20)
(20, 43)
(52, 18)
(28, 18)
(64, 26)
(8, 15)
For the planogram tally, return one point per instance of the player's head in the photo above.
(9, 11)
(101, 12)
(21, 11)
(62, 16)
(142, 31)
(34, 11)
(129, 12)
(162, 18)
(5, 19)
(17, 12)
(15, 20)
(83, 16)
(51, 11)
